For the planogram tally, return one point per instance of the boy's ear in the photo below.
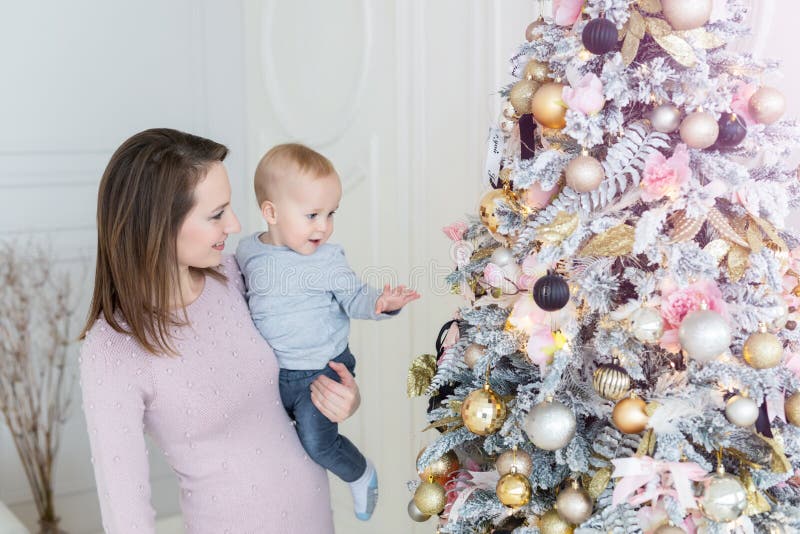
(268, 212)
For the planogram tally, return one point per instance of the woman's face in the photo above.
(202, 236)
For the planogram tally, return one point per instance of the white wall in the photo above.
(398, 93)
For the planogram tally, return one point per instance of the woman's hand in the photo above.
(336, 400)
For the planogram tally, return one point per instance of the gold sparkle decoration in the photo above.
(483, 411)
(599, 482)
(738, 262)
(650, 6)
(557, 231)
(614, 242)
(420, 373)
(702, 38)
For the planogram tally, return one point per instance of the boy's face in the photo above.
(301, 217)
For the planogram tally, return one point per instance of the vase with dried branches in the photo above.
(35, 384)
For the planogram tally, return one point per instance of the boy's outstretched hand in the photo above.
(394, 298)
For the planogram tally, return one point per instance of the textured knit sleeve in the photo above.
(230, 267)
(117, 386)
(356, 298)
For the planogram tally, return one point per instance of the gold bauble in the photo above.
(687, 14)
(763, 350)
(441, 468)
(574, 504)
(536, 71)
(514, 459)
(767, 105)
(552, 523)
(629, 415)
(430, 498)
(529, 31)
(699, 130)
(473, 353)
(792, 408)
(548, 108)
(521, 94)
(611, 381)
(483, 411)
(584, 174)
(488, 208)
(513, 490)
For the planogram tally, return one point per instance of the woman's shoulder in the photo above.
(105, 350)
(230, 268)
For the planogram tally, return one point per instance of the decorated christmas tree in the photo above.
(627, 356)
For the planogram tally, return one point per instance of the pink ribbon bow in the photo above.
(637, 472)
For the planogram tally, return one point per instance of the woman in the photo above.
(170, 350)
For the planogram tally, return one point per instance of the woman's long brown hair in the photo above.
(145, 194)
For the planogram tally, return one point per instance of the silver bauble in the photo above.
(723, 498)
(666, 118)
(584, 174)
(550, 425)
(741, 411)
(502, 256)
(415, 514)
(647, 325)
(473, 353)
(520, 459)
(699, 130)
(704, 335)
(574, 504)
(687, 14)
(767, 105)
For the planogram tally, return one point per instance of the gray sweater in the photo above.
(302, 305)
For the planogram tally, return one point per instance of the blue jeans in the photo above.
(319, 436)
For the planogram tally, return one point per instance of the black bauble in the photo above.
(551, 292)
(600, 36)
(732, 130)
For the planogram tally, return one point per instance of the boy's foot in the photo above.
(365, 493)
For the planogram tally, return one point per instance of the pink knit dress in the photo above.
(215, 412)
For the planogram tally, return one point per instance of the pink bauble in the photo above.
(536, 198)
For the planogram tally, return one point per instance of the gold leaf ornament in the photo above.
(563, 226)
(614, 242)
(420, 374)
(658, 27)
(738, 262)
(637, 25)
(599, 482)
(678, 48)
(702, 38)
(650, 6)
(756, 502)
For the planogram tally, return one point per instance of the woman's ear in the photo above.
(268, 212)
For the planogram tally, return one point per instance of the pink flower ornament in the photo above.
(586, 96)
(567, 12)
(741, 102)
(455, 231)
(665, 177)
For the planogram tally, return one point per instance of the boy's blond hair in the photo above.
(284, 161)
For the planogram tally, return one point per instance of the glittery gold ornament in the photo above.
(767, 105)
(584, 174)
(514, 490)
(646, 325)
(574, 504)
(430, 497)
(420, 373)
(488, 209)
(473, 353)
(514, 459)
(629, 415)
(415, 514)
(441, 468)
(687, 14)
(548, 108)
(757, 503)
(611, 381)
(536, 71)
(792, 408)
(763, 350)
(521, 94)
(699, 130)
(552, 523)
(723, 497)
(483, 411)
